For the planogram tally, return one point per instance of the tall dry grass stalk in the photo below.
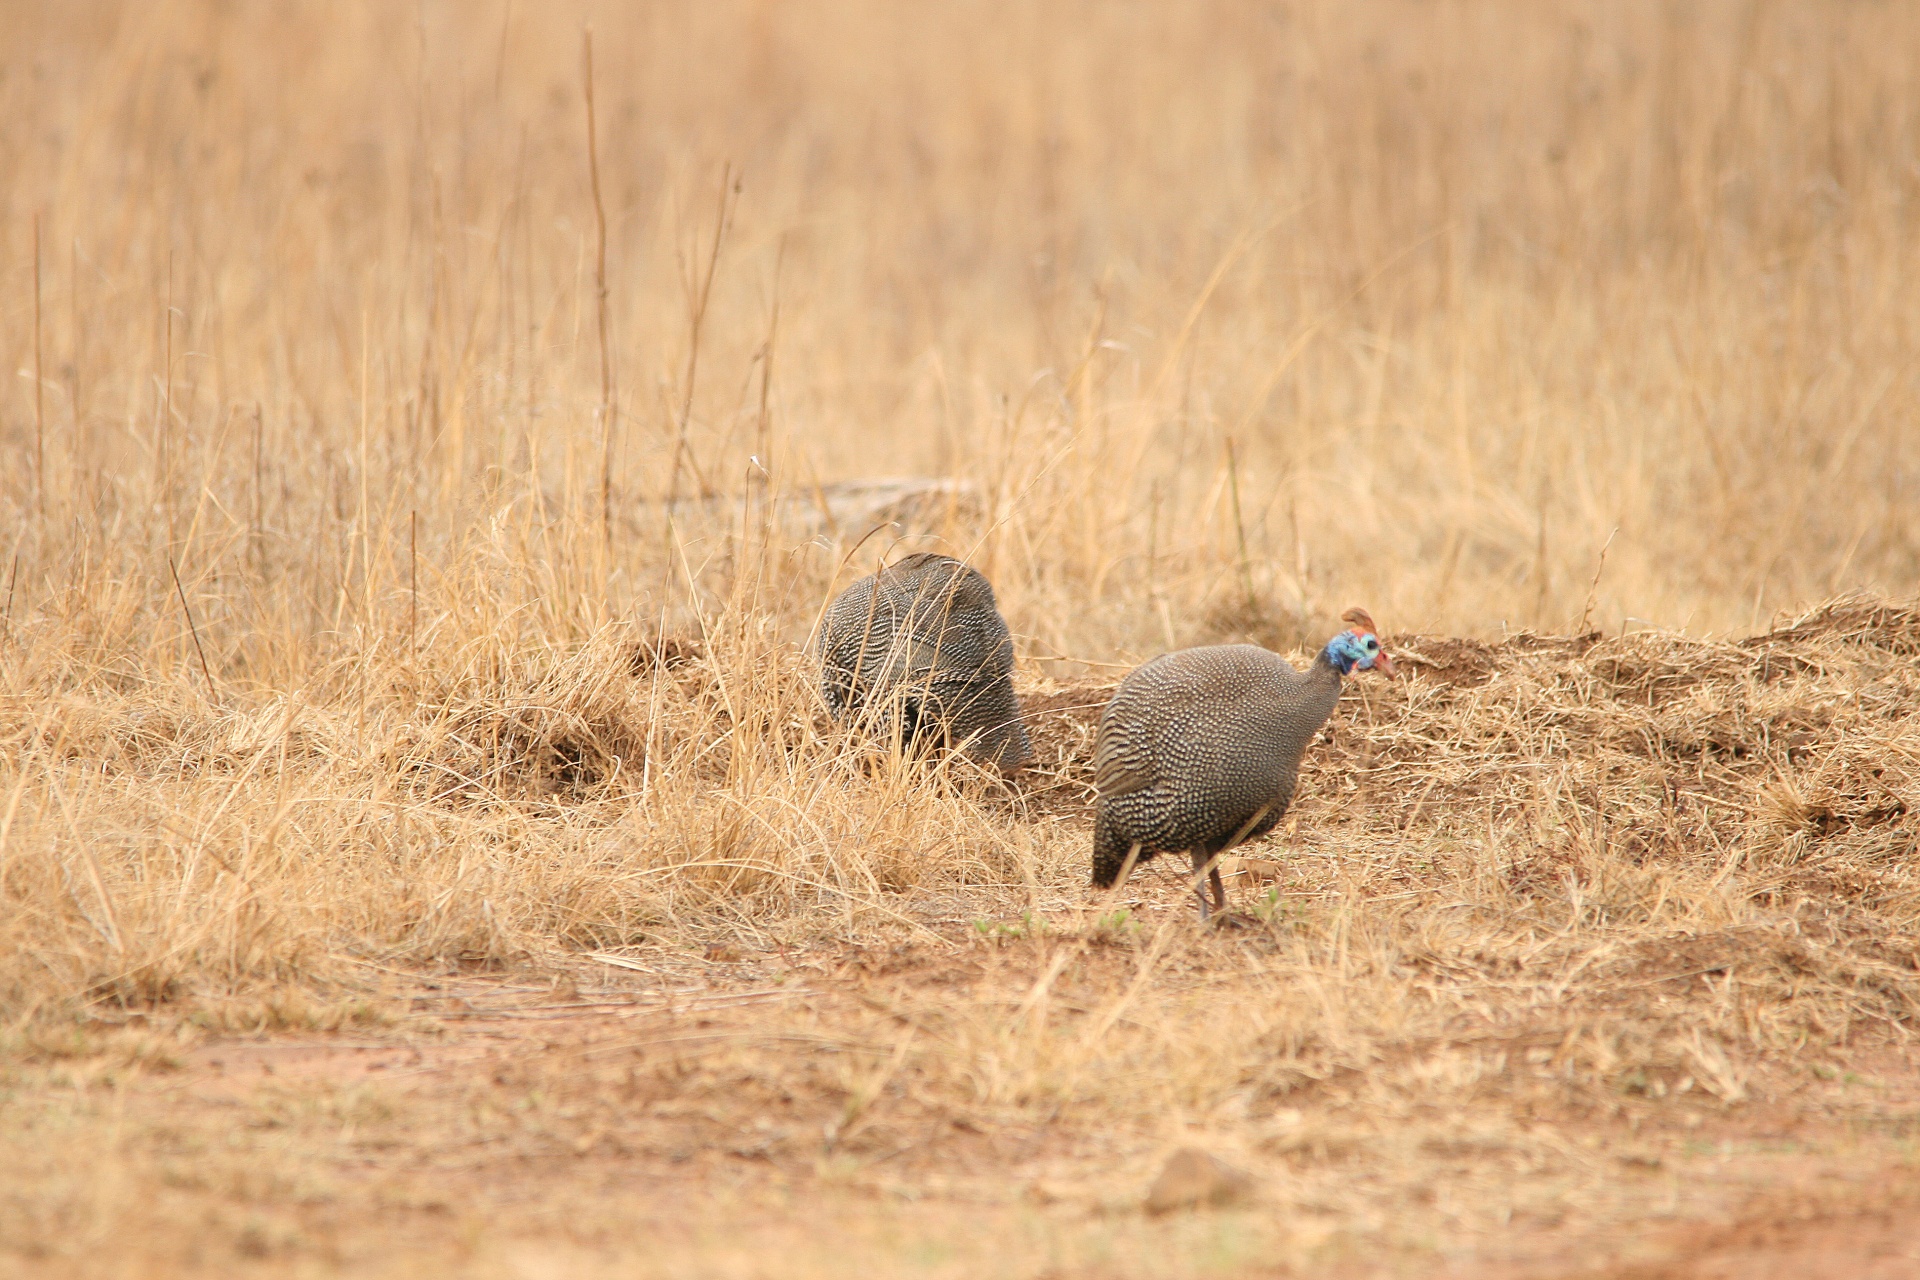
(1219, 318)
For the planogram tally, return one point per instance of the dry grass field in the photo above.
(423, 851)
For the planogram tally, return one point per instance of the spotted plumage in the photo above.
(922, 640)
(1199, 750)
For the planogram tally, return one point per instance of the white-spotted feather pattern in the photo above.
(923, 641)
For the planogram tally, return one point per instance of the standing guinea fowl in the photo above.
(1199, 749)
(923, 638)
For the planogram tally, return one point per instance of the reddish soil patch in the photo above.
(1790, 1242)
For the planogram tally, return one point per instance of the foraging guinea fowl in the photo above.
(1199, 749)
(923, 637)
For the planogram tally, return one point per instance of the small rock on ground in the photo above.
(1192, 1177)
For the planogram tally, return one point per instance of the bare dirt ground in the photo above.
(694, 1120)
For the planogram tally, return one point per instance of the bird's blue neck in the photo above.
(1341, 653)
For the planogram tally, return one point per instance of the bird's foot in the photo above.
(1232, 920)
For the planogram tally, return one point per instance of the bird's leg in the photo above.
(1206, 871)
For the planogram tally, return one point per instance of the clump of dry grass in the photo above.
(487, 810)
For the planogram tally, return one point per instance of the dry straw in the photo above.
(1204, 328)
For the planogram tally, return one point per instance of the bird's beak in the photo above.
(1384, 665)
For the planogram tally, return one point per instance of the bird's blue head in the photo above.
(1358, 649)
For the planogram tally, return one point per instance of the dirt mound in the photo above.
(1876, 624)
(1801, 745)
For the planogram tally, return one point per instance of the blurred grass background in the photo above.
(1231, 314)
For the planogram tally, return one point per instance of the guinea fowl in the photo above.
(1199, 749)
(924, 641)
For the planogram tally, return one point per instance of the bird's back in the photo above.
(1197, 743)
(928, 628)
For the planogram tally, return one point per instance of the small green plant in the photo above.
(1272, 908)
(1029, 926)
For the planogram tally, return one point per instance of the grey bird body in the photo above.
(1199, 750)
(922, 641)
